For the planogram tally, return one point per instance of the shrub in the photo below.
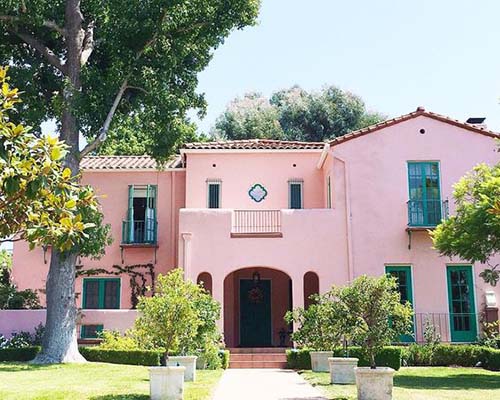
(224, 356)
(491, 359)
(130, 357)
(389, 356)
(113, 340)
(19, 354)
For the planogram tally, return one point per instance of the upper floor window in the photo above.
(214, 193)
(424, 205)
(140, 225)
(101, 293)
(295, 193)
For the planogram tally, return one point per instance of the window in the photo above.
(141, 224)
(402, 273)
(101, 293)
(214, 193)
(424, 205)
(90, 331)
(295, 193)
(461, 303)
(328, 192)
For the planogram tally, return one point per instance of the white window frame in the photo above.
(296, 182)
(214, 182)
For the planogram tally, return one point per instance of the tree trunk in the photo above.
(59, 341)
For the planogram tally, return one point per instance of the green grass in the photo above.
(94, 381)
(423, 383)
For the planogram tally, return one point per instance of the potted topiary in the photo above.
(321, 329)
(377, 318)
(165, 320)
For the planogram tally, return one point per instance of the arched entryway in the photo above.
(255, 302)
(311, 286)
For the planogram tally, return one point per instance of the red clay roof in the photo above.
(420, 111)
(254, 144)
(125, 162)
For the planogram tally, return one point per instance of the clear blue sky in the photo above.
(396, 55)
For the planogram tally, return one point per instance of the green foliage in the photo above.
(224, 358)
(129, 357)
(180, 317)
(19, 354)
(375, 313)
(473, 233)
(322, 325)
(294, 114)
(41, 202)
(5, 265)
(10, 297)
(490, 334)
(113, 340)
(389, 356)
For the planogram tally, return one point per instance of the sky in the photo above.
(396, 55)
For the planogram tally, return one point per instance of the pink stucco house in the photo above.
(265, 223)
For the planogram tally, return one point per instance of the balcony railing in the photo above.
(139, 232)
(256, 223)
(426, 213)
(456, 327)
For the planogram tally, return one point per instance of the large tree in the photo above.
(473, 233)
(294, 114)
(92, 65)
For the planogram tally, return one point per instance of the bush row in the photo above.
(224, 356)
(389, 357)
(19, 354)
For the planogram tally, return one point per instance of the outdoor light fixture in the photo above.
(256, 278)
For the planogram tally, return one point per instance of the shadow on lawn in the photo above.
(454, 382)
(121, 397)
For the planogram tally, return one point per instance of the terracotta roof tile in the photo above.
(254, 144)
(125, 162)
(419, 112)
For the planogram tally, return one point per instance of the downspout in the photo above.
(348, 222)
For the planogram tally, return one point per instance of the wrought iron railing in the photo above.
(441, 325)
(256, 222)
(426, 213)
(139, 232)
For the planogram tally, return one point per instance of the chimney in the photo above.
(478, 122)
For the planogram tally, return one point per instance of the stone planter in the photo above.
(374, 384)
(319, 360)
(201, 363)
(189, 362)
(166, 383)
(342, 369)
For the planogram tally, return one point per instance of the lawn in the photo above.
(423, 383)
(95, 381)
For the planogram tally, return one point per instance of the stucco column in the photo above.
(186, 254)
(297, 294)
(218, 295)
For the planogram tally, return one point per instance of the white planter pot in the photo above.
(166, 383)
(342, 369)
(189, 362)
(374, 384)
(319, 360)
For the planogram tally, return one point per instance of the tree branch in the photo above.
(137, 88)
(47, 53)
(88, 44)
(48, 24)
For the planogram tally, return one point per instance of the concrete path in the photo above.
(264, 384)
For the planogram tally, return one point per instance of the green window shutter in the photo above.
(150, 223)
(424, 205)
(463, 326)
(101, 293)
(329, 192)
(129, 225)
(295, 193)
(214, 195)
(111, 297)
(90, 293)
(91, 331)
(402, 273)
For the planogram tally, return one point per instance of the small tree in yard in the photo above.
(376, 315)
(170, 318)
(321, 326)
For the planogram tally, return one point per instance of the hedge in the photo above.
(224, 357)
(130, 357)
(19, 354)
(390, 356)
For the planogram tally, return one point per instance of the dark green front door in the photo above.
(255, 313)
(461, 302)
(403, 276)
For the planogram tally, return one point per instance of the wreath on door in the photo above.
(255, 295)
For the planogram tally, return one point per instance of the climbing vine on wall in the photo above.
(142, 277)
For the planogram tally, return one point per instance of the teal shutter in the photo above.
(150, 223)
(405, 289)
(129, 230)
(424, 206)
(295, 194)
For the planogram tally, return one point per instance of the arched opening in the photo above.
(206, 280)
(311, 286)
(256, 300)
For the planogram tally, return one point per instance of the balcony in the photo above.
(256, 223)
(139, 233)
(426, 214)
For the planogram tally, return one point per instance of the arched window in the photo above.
(311, 286)
(206, 279)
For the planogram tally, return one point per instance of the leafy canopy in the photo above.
(39, 200)
(294, 114)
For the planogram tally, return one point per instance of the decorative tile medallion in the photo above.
(257, 192)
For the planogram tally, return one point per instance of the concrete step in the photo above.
(257, 364)
(253, 350)
(279, 357)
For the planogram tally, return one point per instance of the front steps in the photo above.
(263, 357)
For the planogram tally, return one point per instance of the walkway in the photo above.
(264, 384)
